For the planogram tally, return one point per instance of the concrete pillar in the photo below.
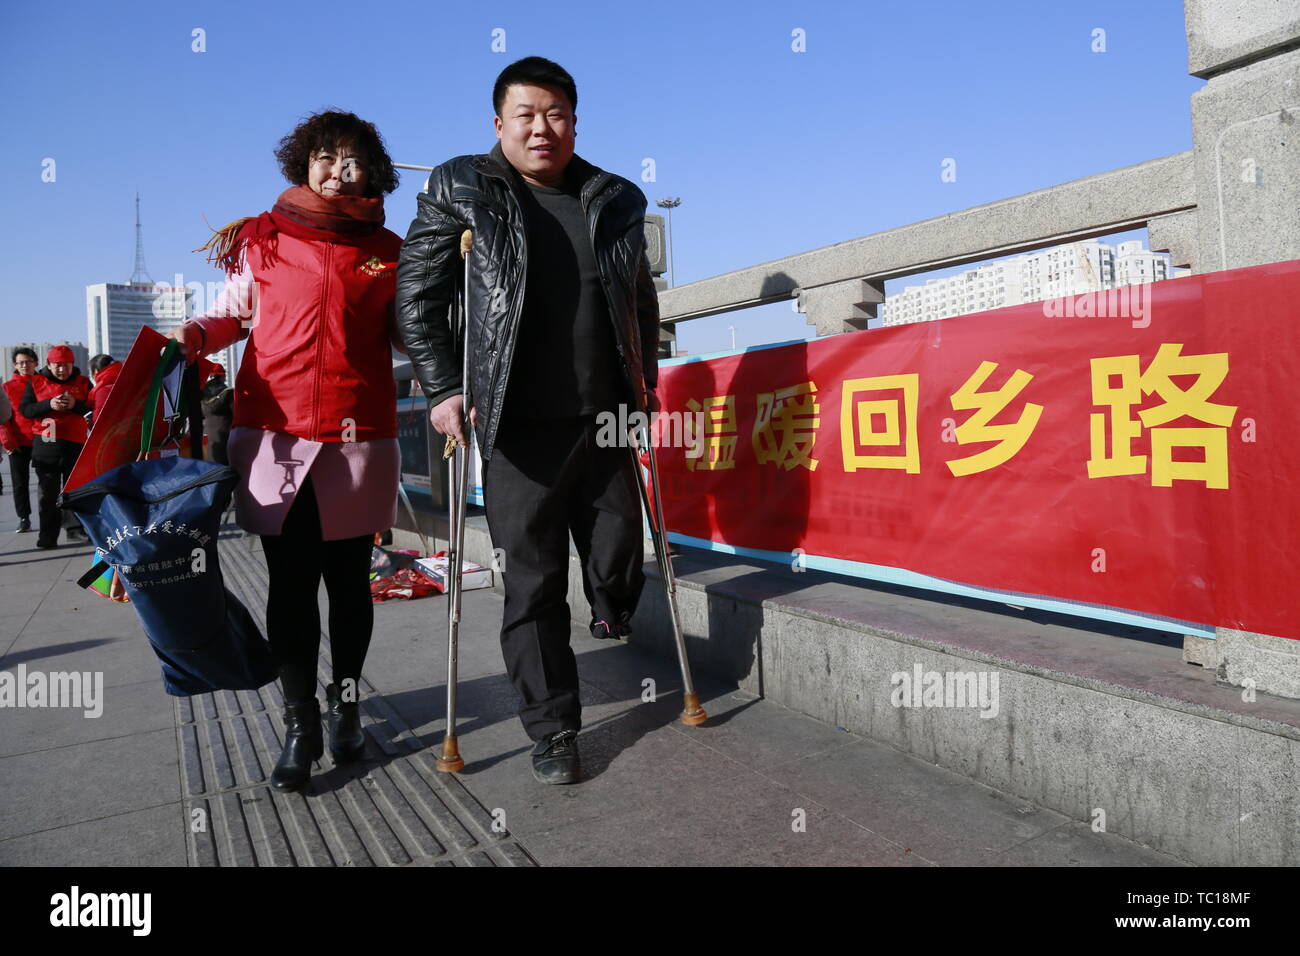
(841, 306)
(1177, 234)
(1246, 130)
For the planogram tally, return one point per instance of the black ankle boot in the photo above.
(347, 742)
(303, 744)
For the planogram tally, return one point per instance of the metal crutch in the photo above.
(458, 480)
(692, 713)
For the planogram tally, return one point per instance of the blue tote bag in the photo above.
(156, 522)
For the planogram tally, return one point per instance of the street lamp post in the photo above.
(670, 203)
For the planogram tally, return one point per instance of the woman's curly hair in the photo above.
(328, 130)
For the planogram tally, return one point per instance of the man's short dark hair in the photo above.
(30, 353)
(100, 362)
(534, 71)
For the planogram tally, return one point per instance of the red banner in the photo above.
(1137, 448)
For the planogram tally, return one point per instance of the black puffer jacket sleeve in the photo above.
(30, 407)
(647, 318)
(426, 284)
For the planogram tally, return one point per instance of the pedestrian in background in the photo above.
(6, 416)
(104, 369)
(57, 400)
(218, 400)
(16, 436)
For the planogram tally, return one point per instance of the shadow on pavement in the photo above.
(50, 650)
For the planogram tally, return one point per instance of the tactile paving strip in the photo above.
(391, 808)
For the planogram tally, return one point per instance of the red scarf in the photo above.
(303, 213)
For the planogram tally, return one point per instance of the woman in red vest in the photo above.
(17, 433)
(104, 369)
(311, 286)
(56, 401)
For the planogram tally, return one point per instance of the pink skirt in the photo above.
(355, 482)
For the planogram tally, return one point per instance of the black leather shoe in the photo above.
(618, 630)
(343, 724)
(555, 758)
(603, 631)
(24, 526)
(303, 745)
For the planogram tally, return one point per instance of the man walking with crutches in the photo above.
(562, 324)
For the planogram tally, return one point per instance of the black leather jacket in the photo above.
(479, 193)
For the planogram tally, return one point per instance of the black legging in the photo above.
(296, 560)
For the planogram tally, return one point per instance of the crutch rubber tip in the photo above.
(692, 713)
(450, 761)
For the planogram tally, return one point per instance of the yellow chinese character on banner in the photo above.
(1210, 371)
(786, 427)
(719, 434)
(857, 417)
(1010, 438)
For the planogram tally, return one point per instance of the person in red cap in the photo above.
(16, 435)
(57, 399)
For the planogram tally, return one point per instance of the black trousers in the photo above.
(20, 469)
(548, 479)
(53, 463)
(296, 560)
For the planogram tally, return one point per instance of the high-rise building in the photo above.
(1066, 270)
(115, 313)
(1135, 265)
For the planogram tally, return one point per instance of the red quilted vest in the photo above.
(104, 382)
(19, 430)
(318, 361)
(69, 425)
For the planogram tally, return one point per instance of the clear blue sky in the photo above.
(773, 152)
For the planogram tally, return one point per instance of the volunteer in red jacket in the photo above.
(6, 416)
(16, 436)
(56, 400)
(104, 369)
(314, 431)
